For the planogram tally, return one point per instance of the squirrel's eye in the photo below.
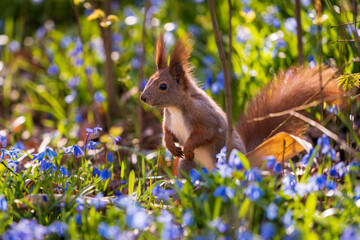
(163, 86)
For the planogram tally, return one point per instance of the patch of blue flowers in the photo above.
(206, 204)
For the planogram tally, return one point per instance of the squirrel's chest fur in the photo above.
(178, 126)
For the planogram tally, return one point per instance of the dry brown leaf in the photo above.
(283, 146)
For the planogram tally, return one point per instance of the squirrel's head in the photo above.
(169, 85)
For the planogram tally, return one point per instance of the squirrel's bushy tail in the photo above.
(292, 89)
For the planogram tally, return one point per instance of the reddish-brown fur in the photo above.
(161, 56)
(292, 89)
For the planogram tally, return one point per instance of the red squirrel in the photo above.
(198, 124)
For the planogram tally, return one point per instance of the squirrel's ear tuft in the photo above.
(177, 71)
(161, 56)
(180, 55)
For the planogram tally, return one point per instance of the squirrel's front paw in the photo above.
(189, 154)
(176, 151)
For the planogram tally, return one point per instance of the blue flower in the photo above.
(221, 156)
(220, 78)
(280, 43)
(219, 225)
(277, 168)
(179, 184)
(46, 165)
(341, 169)
(53, 69)
(270, 161)
(98, 201)
(135, 63)
(92, 145)
(301, 189)
(3, 203)
(75, 150)
(270, 19)
(110, 157)
(94, 130)
(78, 118)
(195, 177)
(253, 192)
(58, 227)
(216, 88)
(333, 172)
(19, 145)
(350, 233)
(245, 235)
(305, 159)
(235, 161)
(73, 82)
(78, 151)
(287, 219)
(103, 229)
(289, 181)
(357, 193)
(99, 97)
(254, 174)
(115, 139)
(224, 192)
(188, 218)
(25, 229)
(267, 230)
(165, 216)
(171, 231)
(13, 164)
(243, 34)
(88, 71)
(272, 211)
(310, 58)
(290, 25)
(14, 46)
(334, 109)
(78, 219)
(224, 170)
(64, 172)
(306, 3)
(47, 152)
(4, 153)
(80, 202)
(96, 172)
(79, 62)
(40, 33)
(3, 140)
(65, 42)
(143, 84)
(105, 174)
(160, 193)
(331, 185)
(13, 153)
(316, 182)
(324, 142)
(137, 218)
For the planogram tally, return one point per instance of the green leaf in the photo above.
(217, 207)
(311, 204)
(349, 81)
(244, 208)
(244, 161)
(131, 182)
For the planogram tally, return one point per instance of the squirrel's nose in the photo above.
(143, 98)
